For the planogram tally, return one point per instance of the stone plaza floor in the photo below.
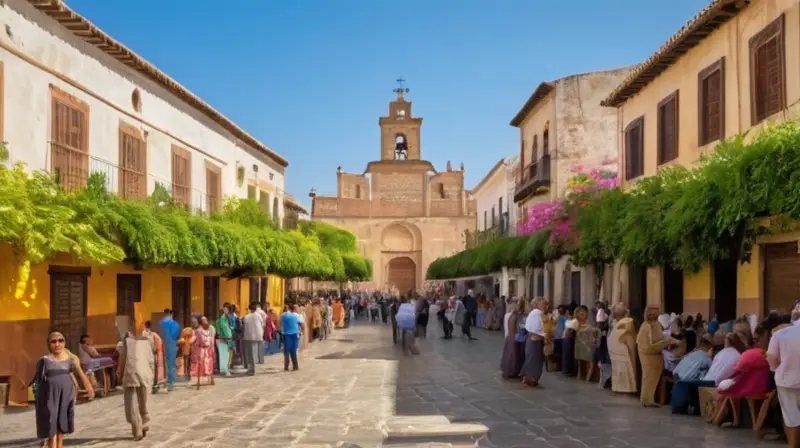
(354, 381)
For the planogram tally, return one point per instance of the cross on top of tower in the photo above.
(400, 87)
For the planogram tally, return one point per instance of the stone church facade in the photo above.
(404, 213)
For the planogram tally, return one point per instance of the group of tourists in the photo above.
(147, 358)
(713, 367)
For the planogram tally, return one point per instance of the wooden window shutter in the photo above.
(634, 149)
(546, 142)
(181, 176)
(132, 163)
(668, 129)
(767, 71)
(711, 103)
(213, 188)
(522, 160)
(69, 135)
(535, 149)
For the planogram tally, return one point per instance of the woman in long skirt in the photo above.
(534, 346)
(55, 392)
(513, 350)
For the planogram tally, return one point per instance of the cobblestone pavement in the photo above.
(460, 379)
(348, 385)
(325, 402)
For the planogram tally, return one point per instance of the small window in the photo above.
(441, 190)
(711, 103)
(546, 140)
(767, 72)
(634, 149)
(358, 191)
(668, 129)
(136, 100)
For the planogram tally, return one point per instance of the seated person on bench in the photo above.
(91, 360)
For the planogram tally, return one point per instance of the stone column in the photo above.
(504, 282)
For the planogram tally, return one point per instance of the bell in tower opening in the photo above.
(400, 148)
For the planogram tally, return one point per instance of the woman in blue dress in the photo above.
(54, 385)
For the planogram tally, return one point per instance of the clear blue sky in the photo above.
(310, 78)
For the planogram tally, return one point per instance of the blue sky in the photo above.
(310, 78)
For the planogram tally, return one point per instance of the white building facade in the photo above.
(75, 101)
(497, 214)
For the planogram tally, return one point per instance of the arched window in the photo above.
(400, 147)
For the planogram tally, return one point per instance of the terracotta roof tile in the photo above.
(91, 34)
(689, 35)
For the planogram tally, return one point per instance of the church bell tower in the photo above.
(400, 130)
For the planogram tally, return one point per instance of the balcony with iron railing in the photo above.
(73, 168)
(535, 177)
(498, 229)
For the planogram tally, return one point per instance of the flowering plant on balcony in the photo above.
(540, 217)
(587, 180)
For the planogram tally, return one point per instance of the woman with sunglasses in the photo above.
(55, 391)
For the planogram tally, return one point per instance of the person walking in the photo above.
(252, 338)
(135, 374)
(407, 323)
(171, 332)
(290, 326)
(55, 391)
(393, 314)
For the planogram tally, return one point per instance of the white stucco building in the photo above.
(75, 101)
(496, 214)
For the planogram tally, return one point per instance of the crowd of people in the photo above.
(713, 368)
(149, 358)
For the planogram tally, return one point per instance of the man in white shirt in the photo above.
(534, 347)
(252, 338)
(263, 315)
(784, 359)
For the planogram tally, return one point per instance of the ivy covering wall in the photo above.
(39, 220)
(679, 217)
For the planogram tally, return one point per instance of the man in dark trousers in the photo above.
(471, 306)
(393, 308)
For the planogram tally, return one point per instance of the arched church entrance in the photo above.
(402, 274)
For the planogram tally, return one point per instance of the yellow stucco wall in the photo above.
(730, 41)
(34, 303)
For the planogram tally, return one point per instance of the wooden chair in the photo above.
(663, 393)
(760, 417)
(723, 405)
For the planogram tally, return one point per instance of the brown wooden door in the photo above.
(403, 274)
(68, 307)
(781, 276)
(182, 300)
(129, 291)
(211, 304)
